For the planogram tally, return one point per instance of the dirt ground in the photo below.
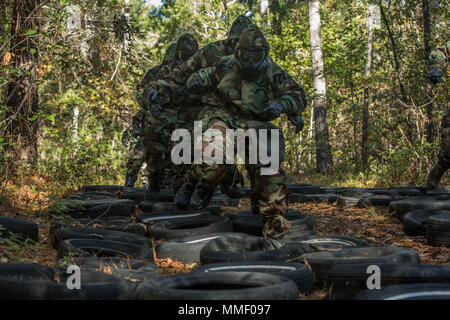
(375, 225)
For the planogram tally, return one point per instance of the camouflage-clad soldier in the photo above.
(243, 91)
(207, 56)
(151, 75)
(163, 122)
(132, 138)
(437, 63)
(437, 66)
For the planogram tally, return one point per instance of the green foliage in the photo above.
(87, 83)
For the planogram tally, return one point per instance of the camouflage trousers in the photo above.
(443, 163)
(268, 192)
(159, 146)
(157, 141)
(136, 163)
(444, 147)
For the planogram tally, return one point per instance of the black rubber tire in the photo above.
(91, 195)
(155, 217)
(297, 272)
(143, 194)
(376, 201)
(219, 286)
(304, 189)
(346, 191)
(421, 291)
(415, 222)
(34, 282)
(146, 205)
(126, 269)
(401, 207)
(187, 249)
(250, 248)
(25, 229)
(224, 202)
(322, 262)
(330, 242)
(99, 234)
(124, 225)
(348, 202)
(252, 224)
(103, 248)
(303, 198)
(189, 226)
(95, 208)
(349, 279)
(101, 188)
(438, 230)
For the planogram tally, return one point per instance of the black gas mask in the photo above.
(251, 62)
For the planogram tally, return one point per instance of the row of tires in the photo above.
(233, 267)
(262, 268)
(434, 224)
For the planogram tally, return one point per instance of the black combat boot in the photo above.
(229, 185)
(154, 188)
(184, 195)
(129, 183)
(434, 177)
(234, 192)
(202, 196)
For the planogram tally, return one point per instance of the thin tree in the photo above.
(427, 50)
(365, 113)
(22, 92)
(323, 150)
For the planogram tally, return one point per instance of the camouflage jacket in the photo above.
(153, 73)
(207, 56)
(241, 99)
(439, 57)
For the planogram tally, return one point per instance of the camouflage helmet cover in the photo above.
(169, 56)
(251, 51)
(239, 25)
(253, 39)
(187, 46)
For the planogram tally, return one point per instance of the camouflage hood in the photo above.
(253, 39)
(169, 56)
(187, 46)
(239, 24)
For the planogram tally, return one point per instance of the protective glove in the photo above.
(137, 132)
(434, 76)
(151, 96)
(155, 110)
(298, 123)
(273, 111)
(195, 85)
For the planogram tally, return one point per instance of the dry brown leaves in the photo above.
(375, 225)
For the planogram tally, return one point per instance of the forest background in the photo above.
(69, 70)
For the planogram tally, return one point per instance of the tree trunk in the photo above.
(323, 152)
(276, 19)
(394, 52)
(429, 91)
(365, 115)
(22, 92)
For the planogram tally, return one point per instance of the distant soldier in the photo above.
(169, 58)
(132, 137)
(208, 56)
(437, 67)
(162, 122)
(245, 90)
